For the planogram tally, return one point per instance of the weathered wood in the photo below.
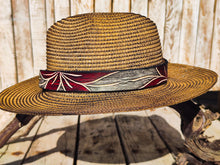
(15, 152)
(22, 35)
(215, 56)
(38, 34)
(80, 7)
(156, 12)
(62, 9)
(193, 130)
(25, 129)
(188, 111)
(7, 56)
(139, 6)
(18, 122)
(185, 158)
(199, 144)
(103, 6)
(98, 141)
(8, 74)
(50, 13)
(213, 132)
(8, 131)
(188, 32)
(167, 122)
(204, 34)
(121, 6)
(172, 30)
(55, 141)
(5, 118)
(141, 142)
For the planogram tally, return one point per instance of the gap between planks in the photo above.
(141, 142)
(129, 138)
(18, 150)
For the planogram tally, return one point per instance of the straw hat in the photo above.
(105, 62)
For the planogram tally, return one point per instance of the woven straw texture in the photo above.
(101, 41)
(116, 41)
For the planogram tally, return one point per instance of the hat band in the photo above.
(103, 81)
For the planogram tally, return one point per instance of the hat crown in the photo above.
(103, 41)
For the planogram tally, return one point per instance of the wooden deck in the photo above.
(144, 138)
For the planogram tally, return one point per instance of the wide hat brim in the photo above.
(184, 83)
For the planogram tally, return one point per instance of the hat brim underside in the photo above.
(184, 83)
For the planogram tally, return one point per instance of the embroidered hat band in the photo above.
(102, 81)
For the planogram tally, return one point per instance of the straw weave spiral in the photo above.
(103, 41)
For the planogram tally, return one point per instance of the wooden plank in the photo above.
(22, 39)
(50, 17)
(55, 141)
(80, 7)
(121, 6)
(7, 57)
(140, 7)
(215, 56)
(62, 9)
(15, 152)
(158, 17)
(103, 6)
(172, 30)
(38, 34)
(98, 141)
(189, 32)
(167, 122)
(141, 141)
(204, 35)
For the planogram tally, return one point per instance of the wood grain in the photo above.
(8, 68)
(80, 7)
(121, 6)
(158, 17)
(172, 30)
(140, 7)
(98, 141)
(62, 9)
(167, 122)
(215, 55)
(17, 151)
(22, 35)
(50, 13)
(8, 75)
(103, 6)
(189, 32)
(55, 141)
(38, 34)
(141, 141)
(204, 34)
